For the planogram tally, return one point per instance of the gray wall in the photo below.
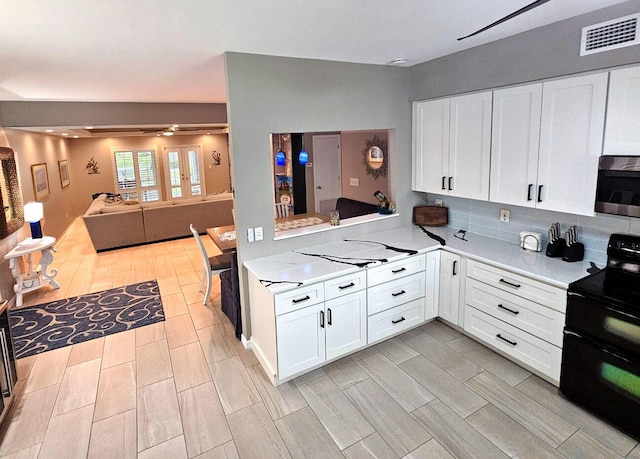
(274, 94)
(548, 52)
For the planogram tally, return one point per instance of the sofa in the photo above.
(349, 208)
(122, 224)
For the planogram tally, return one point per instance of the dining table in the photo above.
(224, 237)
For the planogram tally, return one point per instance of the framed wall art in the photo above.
(63, 167)
(40, 178)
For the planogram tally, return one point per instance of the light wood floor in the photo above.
(187, 388)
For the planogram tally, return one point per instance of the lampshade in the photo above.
(280, 159)
(33, 211)
(303, 157)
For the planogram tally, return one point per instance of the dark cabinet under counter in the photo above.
(8, 373)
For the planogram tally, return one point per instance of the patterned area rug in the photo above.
(60, 323)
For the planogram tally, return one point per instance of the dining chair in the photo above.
(212, 265)
(281, 210)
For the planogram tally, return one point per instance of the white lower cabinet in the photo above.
(449, 298)
(395, 320)
(519, 316)
(346, 324)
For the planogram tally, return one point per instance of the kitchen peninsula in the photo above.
(311, 306)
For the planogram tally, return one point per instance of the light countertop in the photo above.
(285, 270)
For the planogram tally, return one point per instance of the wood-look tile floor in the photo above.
(187, 388)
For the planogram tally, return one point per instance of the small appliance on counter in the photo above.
(431, 215)
(531, 241)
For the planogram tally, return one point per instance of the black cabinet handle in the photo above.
(300, 300)
(539, 193)
(401, 292)
(450, 188)
(444, 179)
(398, 321)
(510, 284)
(513, 343)
(453, 270)
(396, 271)
(321, 319)
(512, 311)
(329, 316)
(342, 287)
(529, 198)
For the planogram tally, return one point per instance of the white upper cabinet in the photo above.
(452, 145)
(515, 139)
(470, 146)
(622, 133)
(430, 145)
(571, 135)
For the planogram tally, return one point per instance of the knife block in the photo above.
(573, 252)
(556, 249)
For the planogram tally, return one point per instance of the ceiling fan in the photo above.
(168, 131)
(524, 9)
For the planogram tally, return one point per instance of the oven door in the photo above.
(603, 381)
(612, 325)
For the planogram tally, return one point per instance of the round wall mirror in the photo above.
(375, 157)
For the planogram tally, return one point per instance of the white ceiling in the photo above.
(172, 50)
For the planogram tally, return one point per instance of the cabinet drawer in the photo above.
(301, 297)
(395, 320)
(522, 346)
(395, 270)
(540, 321)
(539, 292)
(394, 293)
(350, 283)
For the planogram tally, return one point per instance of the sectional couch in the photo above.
(126, 224)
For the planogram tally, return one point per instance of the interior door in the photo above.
(326, 172)
(183, 172)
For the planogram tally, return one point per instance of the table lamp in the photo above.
(33, 213)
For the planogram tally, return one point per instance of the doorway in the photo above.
(183, 172)
(326, 172)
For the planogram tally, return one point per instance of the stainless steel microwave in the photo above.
(618, 190)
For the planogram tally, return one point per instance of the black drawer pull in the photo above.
(321, 319)
(529, 198)
(300, 300)
(444, 179)
(450, 188)
(540, 193)
(401, 292)
(342, 287)
(396, 271)
(510, 310)
(401, 319)
(510, 284)
(329, 316)
(513, 343)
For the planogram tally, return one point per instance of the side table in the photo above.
(35, 276)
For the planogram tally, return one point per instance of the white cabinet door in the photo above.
(470, 146)
(300, 336)
(622, 134)
(571, 135)
(346, 324)
(430, 145)
(449, 305)
(432, 285)
(515, 139)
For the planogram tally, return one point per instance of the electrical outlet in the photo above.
(354, 182)
(250, 235)
(258, 233)
(505, 215)
(438, 202)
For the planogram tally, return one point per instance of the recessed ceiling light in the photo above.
(175, 125)
(64, 134)
(76, 136)
(88, 127)
(48, 130)
(398, 61)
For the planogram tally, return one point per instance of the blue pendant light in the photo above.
(303, 156)
(280, 158)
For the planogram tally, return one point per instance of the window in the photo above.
(136, 174)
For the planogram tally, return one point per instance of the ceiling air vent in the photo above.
(608, 35)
